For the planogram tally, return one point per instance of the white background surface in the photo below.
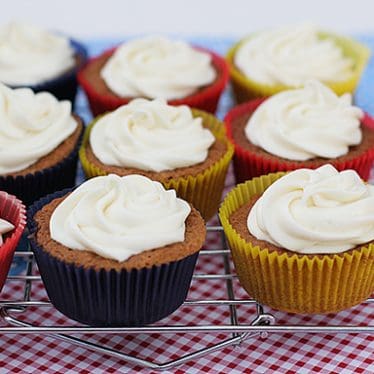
(116, 18)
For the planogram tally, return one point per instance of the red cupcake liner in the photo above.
(248, 164)
(12, 210)
(205, 99)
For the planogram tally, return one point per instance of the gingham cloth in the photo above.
(279, 352)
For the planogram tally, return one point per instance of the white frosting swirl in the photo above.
(32, 125)
(29, 55)
(304, 123)
(156, 67)
(315, 211)
(5, 227)
(150, 135)
(292, 55)
(117, 217)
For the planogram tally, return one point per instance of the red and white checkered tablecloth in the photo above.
(279, 352)
(292, 353)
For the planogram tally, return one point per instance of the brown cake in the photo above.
(247, 87)
(57, 155)
(194, 239)
(102, 98)
(92, 74)
(238, 221)
(251, 160)
(239, 137)
(52, 172)
(216, 152)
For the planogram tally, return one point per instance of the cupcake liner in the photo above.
(293, 282)
(19, 263)
(12, 210)
(203, 190)
(248, 164)
(205, 99)
(246, 89)
(32, 186)
(65, 86)
(111, 298)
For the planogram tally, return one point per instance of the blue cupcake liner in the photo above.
(109, 297)
(32, 186)
(19, 263)
(65, 86)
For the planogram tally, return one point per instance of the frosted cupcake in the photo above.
(154, 67)
(184, 149)
(116, 250)
(275, 60)
(38, 143)
(35, 58)
(303, 242)
(304, 127)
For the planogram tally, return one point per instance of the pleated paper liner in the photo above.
(109, 297)
(205, 99)
(248, 164)
(246, 89)
(13, 211)
(65, 86)
(293, 282)
(203, 190)
(32, 186)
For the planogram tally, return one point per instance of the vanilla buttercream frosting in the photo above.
(156, 67)
(30, 55)
(150, 135)
(5, 227)
(304, 123)
(292, 55)
(31, 126)
(117, 217)
(315, 211)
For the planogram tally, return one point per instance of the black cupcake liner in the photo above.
(111, 298)
(32, 186)
(65, 86)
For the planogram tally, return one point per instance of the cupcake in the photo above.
(303, 242)
(12, 223)
(38, 143)
(116, 251)
(154, 67)
(275, 60)
(34, 58)
(300, 128)
(186, 150)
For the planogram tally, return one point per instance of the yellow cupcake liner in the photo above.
(203, 190)
(247, 89)
(293, 282)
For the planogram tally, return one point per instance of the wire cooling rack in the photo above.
(259, 323)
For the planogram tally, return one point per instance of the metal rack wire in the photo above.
(235, 332)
